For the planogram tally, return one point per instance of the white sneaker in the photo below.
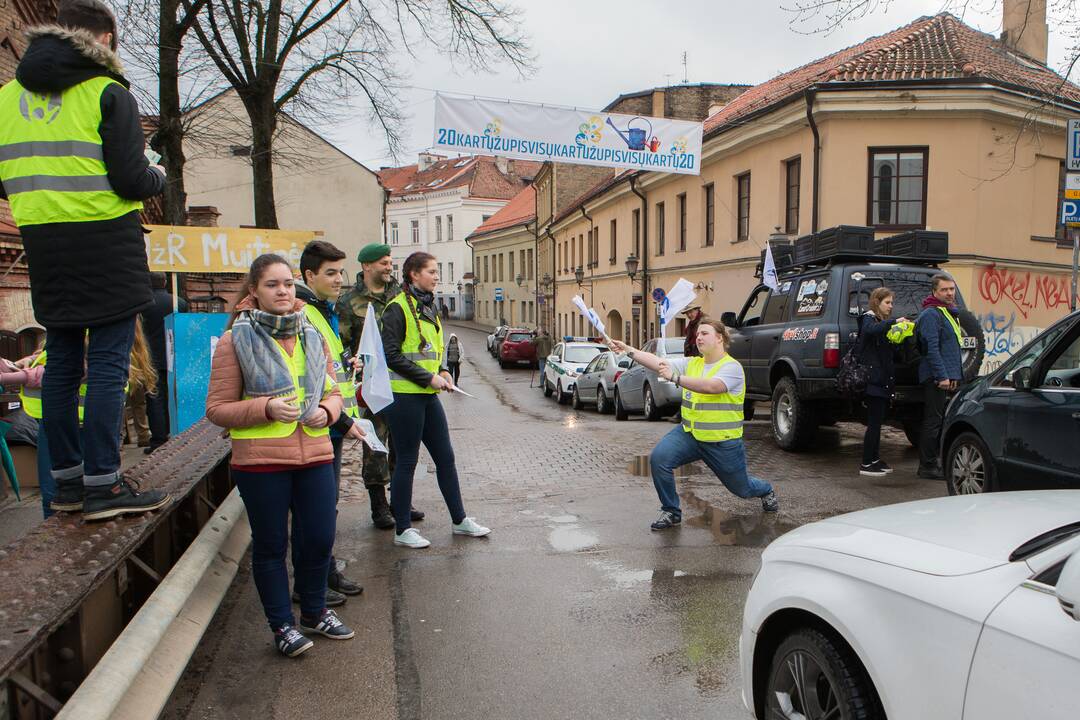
(470, 527)
(411, 539)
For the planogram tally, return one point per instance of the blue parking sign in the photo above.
(1070, 213)
(1072, 145)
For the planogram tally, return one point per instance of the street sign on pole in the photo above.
(1072, 186)
(1072, 146)
(1070, 213)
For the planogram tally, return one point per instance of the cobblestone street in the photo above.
(572, 608)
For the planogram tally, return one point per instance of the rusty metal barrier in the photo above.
(68, 588)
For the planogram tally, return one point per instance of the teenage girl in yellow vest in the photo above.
(713, 388)
(272, 386)
(413, 341)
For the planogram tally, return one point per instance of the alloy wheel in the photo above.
(601, 401)
(648, 401)
(785, 414)
(802, 690)
(969, 470)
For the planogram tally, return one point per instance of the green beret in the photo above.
(373, 252)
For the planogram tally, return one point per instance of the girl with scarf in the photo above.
(271, 385)
(413, 343)
(454, 356)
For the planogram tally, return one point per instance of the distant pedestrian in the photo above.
(941, 368)
(693, 315)
(454, 356)
(543, 345)
(876, 352)
(413, 340)
(157, 406)
(75, 174)
(445, 311)
(714, 389)
(272, 385)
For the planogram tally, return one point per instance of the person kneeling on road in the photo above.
(713, 388)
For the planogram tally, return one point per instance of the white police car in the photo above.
(564, 363)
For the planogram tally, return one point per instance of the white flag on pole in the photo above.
(677, 299)
(589, 314)
(768, 270)
(376, 380)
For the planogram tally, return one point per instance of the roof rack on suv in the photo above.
(856, 242)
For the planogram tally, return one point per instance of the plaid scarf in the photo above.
(263, 365)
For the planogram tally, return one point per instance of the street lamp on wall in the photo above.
(579, 275)
(546, 282)
(519, 279)
(631, 266)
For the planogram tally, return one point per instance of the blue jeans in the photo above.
(414, 418)
(727, 460)
(338, 442)
(46, 483)
(269, 496)
(95, 456)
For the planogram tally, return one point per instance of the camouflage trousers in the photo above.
(377, 467)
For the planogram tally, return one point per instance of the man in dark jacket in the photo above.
(693, 315)
(940, 369)
(157, 405)
(72, 165)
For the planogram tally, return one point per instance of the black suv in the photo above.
(790, 341)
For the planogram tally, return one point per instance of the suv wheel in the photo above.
(652, 413)
(601, 401)
(620, 411)
(793, 422)
(548, 390)
(969, 467)
(575, 399)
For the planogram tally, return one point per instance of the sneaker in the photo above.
(769, 503)
(333, 598)
(69, 495)
(103, 502)
(872, 470)
(410, 539)
(337, 582)
(931, 473)
(416, 515)
(666, 520)
(883, 466)
(470, 527)
(290, 642)
(327, 625)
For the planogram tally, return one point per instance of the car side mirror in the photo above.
(730, 319)
(1022, 378)
(624, 364)
(1068, 587)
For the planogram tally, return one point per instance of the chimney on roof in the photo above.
(505, 166)
(202, 216)
(1024, 29)
(658, 97)
(426, 160)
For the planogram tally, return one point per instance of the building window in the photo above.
(897, 191)
(710, 215)
(510, 256)
(532, 270)
(414, 227)
(682, 222)
(573, 253)
(793, 173)
(502, 276)
(522, 265)
(742, 231)
(659, 228)
(637, 232)
(565, 255)
(487, 277)
(613, 244)
(438, 267)
(393, 233)
(449, 228)
(453, 304)
(449, 272)
(395, 268)
(438, 228)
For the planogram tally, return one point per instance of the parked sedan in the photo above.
(1018, 427)
(596, 386)
(492, 336)
(517, 347)
(955, 608)
(640, 390)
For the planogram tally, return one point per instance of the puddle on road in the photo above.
(754, 530)
(563, 519)
(572, 539)
(639, 465)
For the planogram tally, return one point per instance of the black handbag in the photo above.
(854, 374)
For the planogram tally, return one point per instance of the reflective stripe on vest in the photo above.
(712, 417)
(342, 375)
(51, 160)
(955, 325)
(274, 429)
(31, 397)
(430, 358)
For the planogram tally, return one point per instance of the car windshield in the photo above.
(581, 354)
(519, 337)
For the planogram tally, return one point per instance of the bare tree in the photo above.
(317, 58)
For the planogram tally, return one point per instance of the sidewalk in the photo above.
(470, 325)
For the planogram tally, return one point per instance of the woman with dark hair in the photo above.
(876, 352)
(413, 341)
(272, 385)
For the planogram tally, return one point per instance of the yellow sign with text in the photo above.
(180, 248)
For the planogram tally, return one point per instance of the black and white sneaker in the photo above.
(883, 466)
(290, 642)
(769, 503)
(666, 521)
(327, 625)
(873, 470)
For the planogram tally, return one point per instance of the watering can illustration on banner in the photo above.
(635, 137)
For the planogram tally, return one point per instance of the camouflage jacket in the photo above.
(352, 309)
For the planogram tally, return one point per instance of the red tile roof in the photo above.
(938, 47)
(521, 210)
(480, 173)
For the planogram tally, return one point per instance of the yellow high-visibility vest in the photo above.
(430, 358)
(342, 374)
(31, 397)
(712, 417)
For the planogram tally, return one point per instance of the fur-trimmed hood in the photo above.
(59, 58)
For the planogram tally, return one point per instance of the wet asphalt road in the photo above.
(572, 608)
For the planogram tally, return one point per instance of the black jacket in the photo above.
(154, 326)
(877, 353)
(303, 292)
(393, 335)
(91, 273)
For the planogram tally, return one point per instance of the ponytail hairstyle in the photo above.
(413, 264)
(877, 297)
(141, 373)
(255, 273)
(721, 330)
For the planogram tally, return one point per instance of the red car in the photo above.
(517, 347)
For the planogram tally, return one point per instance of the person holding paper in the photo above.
(413, 343)
(712, 416)
(272, 385)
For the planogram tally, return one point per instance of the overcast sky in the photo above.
(588, 53)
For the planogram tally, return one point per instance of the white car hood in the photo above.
(942, 536)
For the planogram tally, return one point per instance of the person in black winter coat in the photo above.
(876, 352)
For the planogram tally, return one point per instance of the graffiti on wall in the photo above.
(1024, 292)
(1003, 338)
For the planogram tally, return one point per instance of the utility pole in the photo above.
(685, 76)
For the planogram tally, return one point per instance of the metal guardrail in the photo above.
(69, 587)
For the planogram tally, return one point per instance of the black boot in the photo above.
(416, 515)
(69, 495)
(121, 498)
(339, 583)
(380, 509)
